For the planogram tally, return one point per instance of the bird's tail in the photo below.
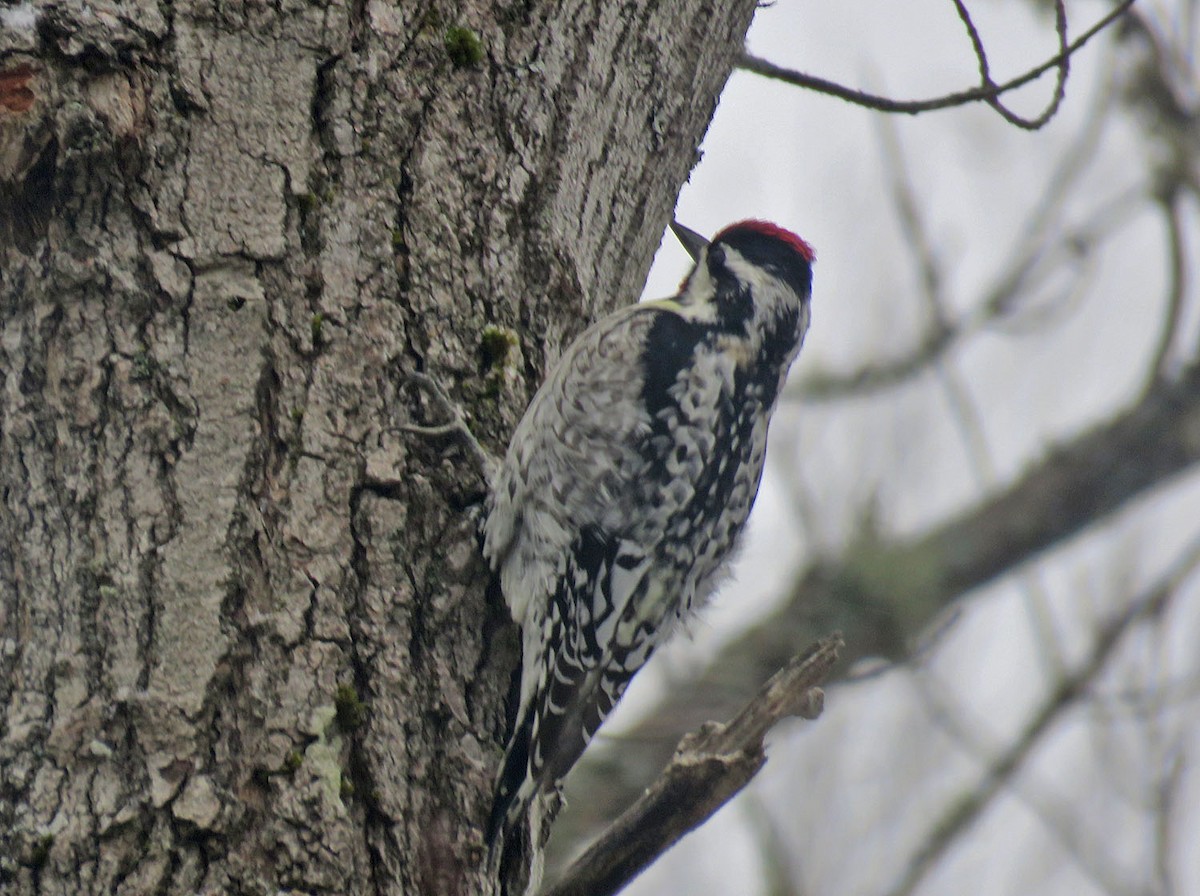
(513, 842)
(516, 859)
(515, 785)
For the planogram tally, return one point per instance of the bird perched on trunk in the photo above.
(626, 485)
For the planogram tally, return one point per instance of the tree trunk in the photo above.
(246, 640)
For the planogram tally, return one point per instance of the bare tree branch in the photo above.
(988, 91)
(1082, 841)
(999, 307)
(1177, 282)
(985, 75)
(963, 410)
(1166, 823)
(709, 767)
(1069, 690)
(1046, 244)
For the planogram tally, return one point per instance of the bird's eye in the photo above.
(716, 256)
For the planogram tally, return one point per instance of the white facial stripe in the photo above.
(696, 300)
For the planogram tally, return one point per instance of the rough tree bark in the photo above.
(245, 644)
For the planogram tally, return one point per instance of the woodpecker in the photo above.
(627, 483)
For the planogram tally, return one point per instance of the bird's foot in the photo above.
(455, 426)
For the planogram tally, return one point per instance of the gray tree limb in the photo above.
(709, 767)
(1075, 686)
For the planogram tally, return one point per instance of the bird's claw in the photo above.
(455, 427)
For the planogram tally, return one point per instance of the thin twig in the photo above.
(708, 768)
(1039, 794)
(1049, 212)
(1176, 287)
(985, 75)
(1074, 686)
(963, 411)
(908, 209)
(988, 93)
(1039, 255)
